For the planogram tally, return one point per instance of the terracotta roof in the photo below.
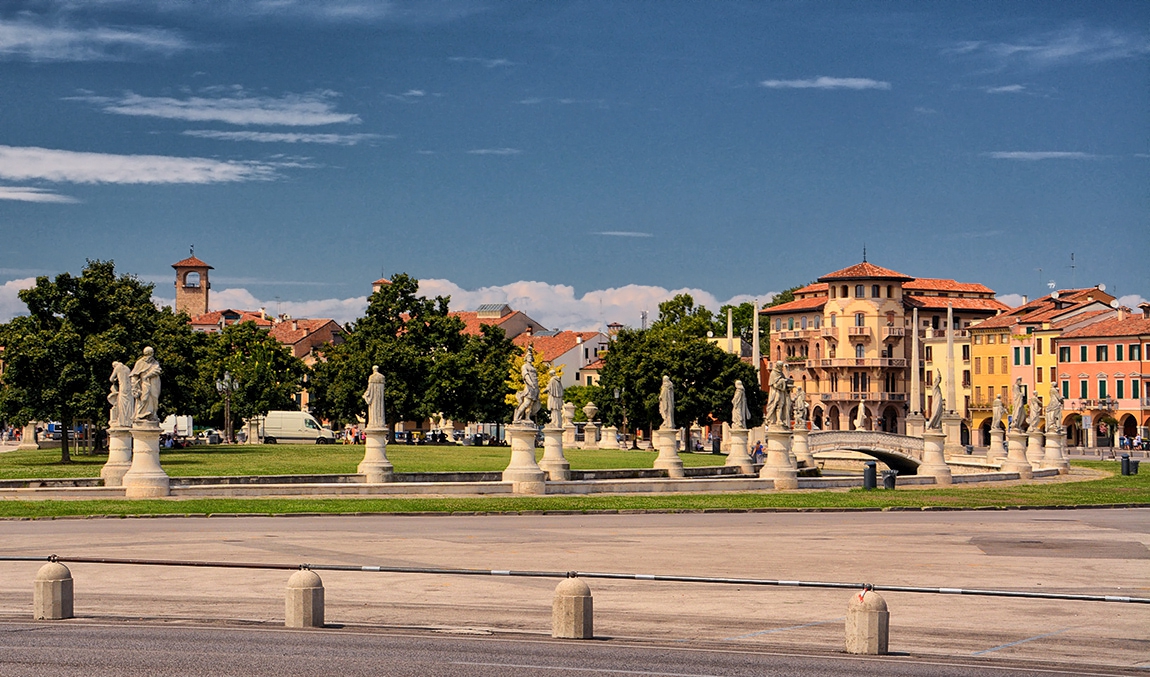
(382, 280)
(191, 262)
(814, 288)
(1131, 326)
(865, 270)
(958, 303)
(213, 318)
(796, 306)
(305, 335)
(554, 346)
(472, 321)
(940, 284)
(597, 365)
(1079, 318)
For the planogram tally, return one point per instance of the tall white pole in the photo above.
(755, 347)
(950, 390)
(915, 389)
(730, 331)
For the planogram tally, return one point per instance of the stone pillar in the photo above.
(779, 466)
(756, 354)
(997, 448)
(28, 437)
(523, 471)
(667, 444)
(801, 450)
(915, 424)
(119, 456)
(554, 463)
(303, 606)
(609, 439)
(739, 455)
(145, 479)
(1091, 435)
(569, 425)
(952, 428)
(375, 467)
(590, 435)
(725, 440)
(915, 389)
(572, 614)
(53, 593)
(933, 459)
(1055, 456)
(868, 624)
(1034, 450)
(1016, 455)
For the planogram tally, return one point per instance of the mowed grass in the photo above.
(316, 459)
(1111, 490)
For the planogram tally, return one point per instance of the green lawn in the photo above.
(1112, 490)
(312, 459)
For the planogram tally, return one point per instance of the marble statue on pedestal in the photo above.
(376, 417)
(999, 411)
(120, 397)
(528, 397)
(145, 379)
(935, 422)
(1017, 405)
(1054, 410)
(799, 397)
(667, 404)
(740, 412)
(555, 399)
(1035, 419)
(779, 401)
(860, 419)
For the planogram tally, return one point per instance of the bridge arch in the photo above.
(899, 452)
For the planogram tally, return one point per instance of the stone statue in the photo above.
(376, 417)
(860, 419)
(1017, 405)
(996, 420)
(120, 397)
(935, 422)
(555, 399)
(799, 397)
(740, 412)
(528, 397)
(1035, 418)
(145, 378)
(667, 404)
(779, 401)
(1054, 410)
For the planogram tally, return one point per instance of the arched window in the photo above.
(803, 322)
(860, 320)
(890, 291)
(778, 324)
(860, 291)
(818, 321)
(844, 293)
(791, 323)
(874, 291)
(860, 351)
(833, 319)
(192, 279)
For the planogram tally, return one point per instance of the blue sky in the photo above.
(581, 160)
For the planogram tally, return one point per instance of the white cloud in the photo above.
(235, 108)
(1012, 300)
(530, 101)
(25, 39)
(287, 137)
(1005, 89)
(624, 233)
(923, 110)
(495, 151)
(25, 163)
(1030, 156)
(412, 95)
(27, 194)
(487, 63)
(824, 82)
(1069, 45)
(10, 303)
(1132, 300)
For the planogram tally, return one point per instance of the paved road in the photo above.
(1077, 551)
(98, 650)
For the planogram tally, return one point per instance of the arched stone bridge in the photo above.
(900, 452)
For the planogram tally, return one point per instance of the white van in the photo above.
(294, 426)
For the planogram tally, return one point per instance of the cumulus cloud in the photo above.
(1132, 300)
(1030, 156)
(27, 163)
(25, 39)
(1074, 44)
(824, 82)
(234, 106)
(494, 151)
(10, 303)
(287, 137)
(1012, 300)
(27, 194)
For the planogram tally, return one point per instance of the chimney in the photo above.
(1121, 313)
(1145, 308)
(530, 331)
(1025, 299)
(294, 325)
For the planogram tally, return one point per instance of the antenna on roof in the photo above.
(192, 249)
(1073, 275)
(864, 252)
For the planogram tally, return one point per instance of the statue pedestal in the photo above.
(915, 425)
(779, 466)
(28, 437)
(590, 435)
(610, 438)
(934, 459)
(666, 442)
(569, 434)
(375, 467)
(952, 428)
(1034, 448)
(145, 479)
(119, 456)
(553, 462)
(738, 455)
(523, 471)
(997, 449)
(1016, 455)
(1056, 452)
(801, 450)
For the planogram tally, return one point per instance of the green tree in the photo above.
(267, 376)
(581, 395)
(680, 315)
(58, 357)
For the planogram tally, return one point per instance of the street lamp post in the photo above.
(621, 398)
(225, 386)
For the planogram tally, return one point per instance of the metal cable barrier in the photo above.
(1024, 594)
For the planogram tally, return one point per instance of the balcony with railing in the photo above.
(893, 333)
(798, 334)
(941, 333)
(831, 333)
(845, 362)
(862, 397)
(859, 332)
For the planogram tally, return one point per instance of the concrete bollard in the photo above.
(304, 605)
(868, 624)
(572, 616)
(53, 593)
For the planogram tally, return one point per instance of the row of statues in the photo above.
(1052, 410)
(135, 392)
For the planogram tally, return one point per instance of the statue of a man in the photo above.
(667, 404)
(740, 412)
(555, 399)
(778, 402)
(145, 378)
(376, 417)
(1054, 410)
(860, 419)
(935, 422)
(1035, 418)
(528, 397)
(120, 397)
(799, 397)
(999, 411)
(1017, 405)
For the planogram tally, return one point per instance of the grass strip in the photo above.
(1112, 490)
